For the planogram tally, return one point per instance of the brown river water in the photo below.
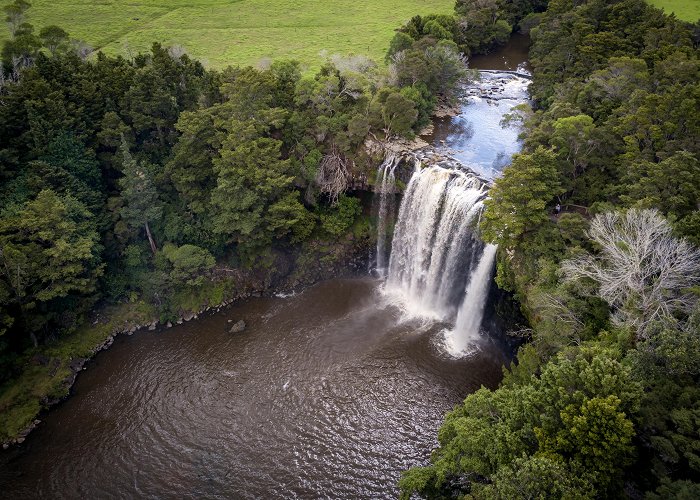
(327, 393)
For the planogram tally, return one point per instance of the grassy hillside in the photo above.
(688, 10)
(222, 32)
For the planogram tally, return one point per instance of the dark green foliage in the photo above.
(672, 185)
(337, 220)
(189, 263)
(518, 200)
(399, 43)
(615, 127)
(22, 48)
(140, 205)
(437, 64)
(424, 102)
(487, 23)
(499, 440)
(251, 177)
(681, 490)
(53, 38)
(49, 253)
(393, 113)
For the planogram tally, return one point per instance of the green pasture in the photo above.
(688, 10)
(223, 32)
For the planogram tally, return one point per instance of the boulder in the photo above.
(238, 327)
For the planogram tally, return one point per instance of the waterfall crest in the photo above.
(386, 189)
(434, 247)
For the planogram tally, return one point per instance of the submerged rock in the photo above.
(238, 327)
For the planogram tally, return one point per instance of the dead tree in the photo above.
(333, 176)
(642, 271)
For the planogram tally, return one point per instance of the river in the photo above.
(329, 393)
(476, 136)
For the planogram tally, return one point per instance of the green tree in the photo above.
(400, 42)
(337, 220)
(438, 65)
(53, 37)
(190, 167)
(518, 200)
(141, 203)
(288, 215)
(596, 434)
(251, 177)
(574, 140)
(575, 419)
(671, 185)
(189, 264)
(49, 250)
(14, 14)
(20, 51)
(393, 114)
(541, 477)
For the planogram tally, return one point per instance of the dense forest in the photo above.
(604, 399)
(125, 180)
(130, 179)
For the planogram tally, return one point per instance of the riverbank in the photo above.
(51, 370)
(332, 368)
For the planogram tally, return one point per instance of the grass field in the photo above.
(689, 10)
(223, 32)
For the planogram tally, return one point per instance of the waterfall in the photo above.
(386, 188)
(471, 313)
(438, 267)
(434, 247)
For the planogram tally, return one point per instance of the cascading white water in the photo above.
(434, 248)
(386, 187)
(466, 329)
(438, 266)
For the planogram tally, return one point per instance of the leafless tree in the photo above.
(176, 52)
(82, 49)
(642, 271)
(353, 63)
(128, 51)
(19, 63)
(333, 175)
(264, 63)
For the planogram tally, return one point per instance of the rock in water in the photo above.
(238, 327)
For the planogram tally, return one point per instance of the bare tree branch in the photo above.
(642, 271)
(333, 175)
